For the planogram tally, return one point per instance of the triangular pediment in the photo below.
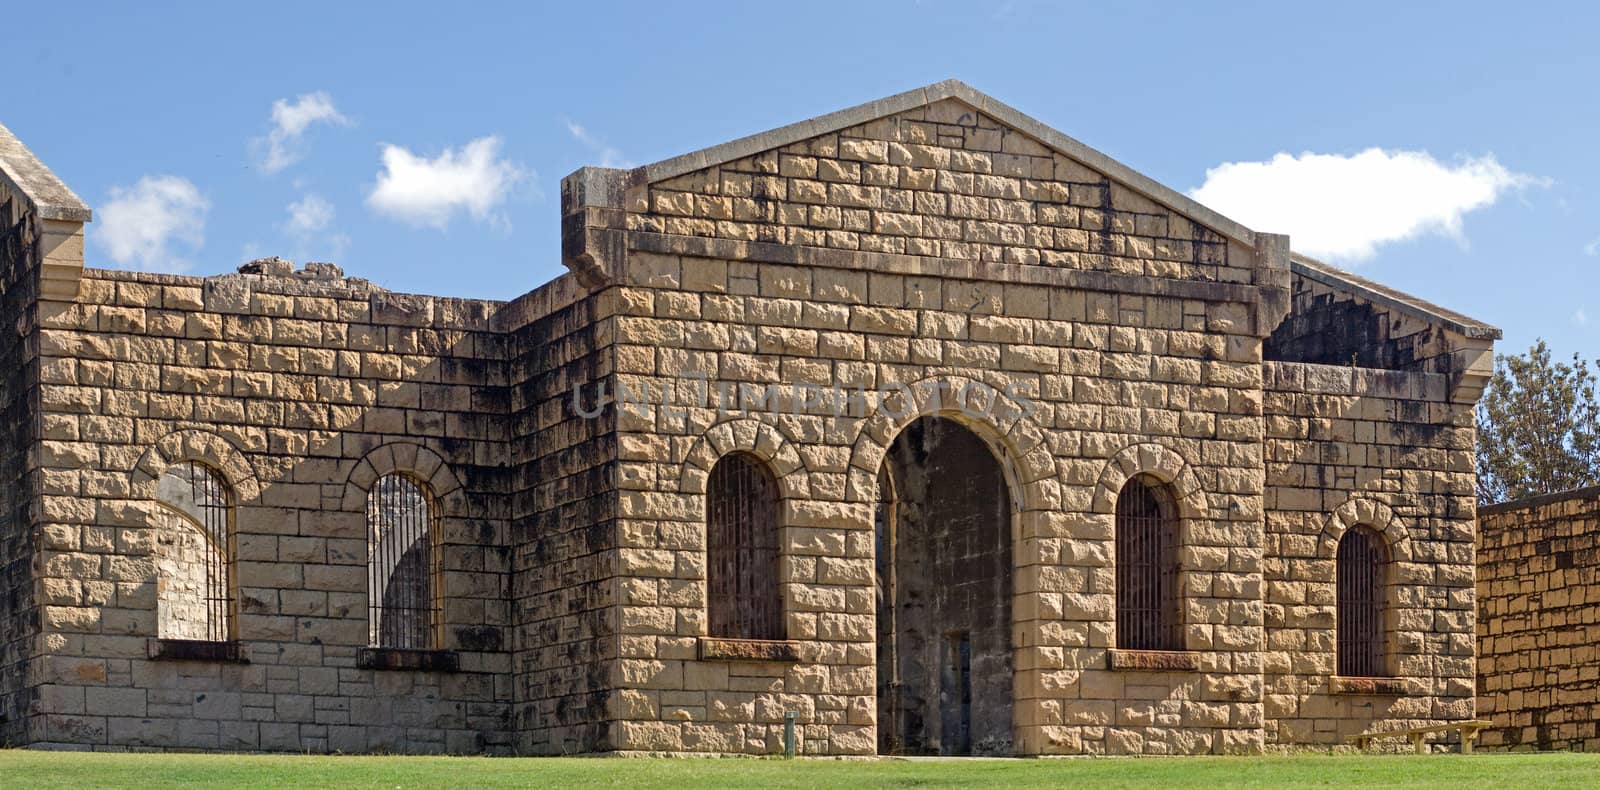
(951, 99)
(948, 173)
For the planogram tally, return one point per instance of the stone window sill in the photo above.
(718, 649)
(395, 658)
(231, 652)
(1154, 660)
(1381, 686)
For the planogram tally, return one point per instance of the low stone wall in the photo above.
(1539, 622)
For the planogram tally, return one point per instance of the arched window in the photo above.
(742, 550)
(194, 555)
(1361, 561)
(1147, 567)
(402, 565)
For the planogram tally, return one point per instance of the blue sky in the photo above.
(422, 145)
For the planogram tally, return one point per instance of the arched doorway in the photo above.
(944, 566)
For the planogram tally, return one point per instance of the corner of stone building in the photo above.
(19, 379)
(593, 222)
(41, 258)
(564, 533)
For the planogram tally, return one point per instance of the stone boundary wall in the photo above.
(1389, 450)
(1539, 622)
(301, 388)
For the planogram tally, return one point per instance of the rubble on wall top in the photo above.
(279, 267)
(312, 272)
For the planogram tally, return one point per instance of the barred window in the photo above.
(1359, 621)
(1147, 567)
(402, 565)
(194, 555)
(742, 550)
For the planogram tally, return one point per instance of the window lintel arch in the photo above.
(1375, 515)
(747, 435)
(417, 462)
(1003, 422)
(1153, 461)
(198, 446)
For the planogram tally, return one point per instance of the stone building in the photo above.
(1539, 622)
(921, 421)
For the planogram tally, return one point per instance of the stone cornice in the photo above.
(925, 266)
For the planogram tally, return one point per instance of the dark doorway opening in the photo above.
(944, 595)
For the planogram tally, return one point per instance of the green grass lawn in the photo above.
(43, 770)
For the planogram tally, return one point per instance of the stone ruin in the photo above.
(921, 422)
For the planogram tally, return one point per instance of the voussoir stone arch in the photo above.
(1153, 460)
(1004, 423)
(1371, 513)
(415, 461)
(746, 435)
(198, 446)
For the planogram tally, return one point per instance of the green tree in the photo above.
(1538, 427)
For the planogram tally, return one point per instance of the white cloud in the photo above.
(1344, 207)
(609, 157)
(309, 226)
(428, 192)
(308, 215)
(139, 225)
(1581, 317)
(281, 147)
(1592, 248)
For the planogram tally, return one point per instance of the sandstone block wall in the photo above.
(806, 302)
(1539, 622)
(1164, 380)
(300, 390)
(944, 181)
(1112, 400)
(19, 401)
(564, 533)
(1387, 450)
(1161, 375)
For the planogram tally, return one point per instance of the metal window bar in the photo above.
(1359, 617)
(1147, 568)
(207, 500)
(402, 566)
(742, 548)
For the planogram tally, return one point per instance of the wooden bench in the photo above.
(1469, 732)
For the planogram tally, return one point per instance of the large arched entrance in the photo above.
(944, 594)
